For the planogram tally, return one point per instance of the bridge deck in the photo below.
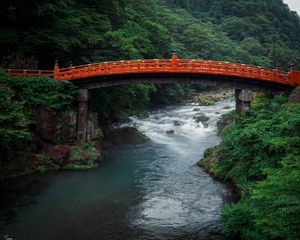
(174, 65)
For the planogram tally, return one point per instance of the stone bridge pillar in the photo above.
(243, 99)
(82, 117)
(295, 95)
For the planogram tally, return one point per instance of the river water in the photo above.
(148, 191)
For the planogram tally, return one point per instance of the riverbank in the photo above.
(259, 154)
(209, 97)
(70, 157)
(49, 156)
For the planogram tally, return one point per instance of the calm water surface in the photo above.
(149, 191)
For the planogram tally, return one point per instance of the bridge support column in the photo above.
(243, 99)
(83, 104)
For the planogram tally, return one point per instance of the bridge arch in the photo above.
(233, 82)
(184, 71)
(117, 72)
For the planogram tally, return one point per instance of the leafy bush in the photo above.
(261, 155)
(118, 103)
(276, 200)
(239, 222)
(259, 141)
(19, 99)
(14, 133)
(43, 92)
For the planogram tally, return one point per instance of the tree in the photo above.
(14, 132)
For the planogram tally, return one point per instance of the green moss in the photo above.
(206, 102)
(27, 171)
(41, 169)
(226, 107)
(82, 157)
(73, 166)
(210, 163)
(58, 133)
(87, 148)
(45, 159)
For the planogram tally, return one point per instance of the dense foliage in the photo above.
(116, 107)
(253, 26)
(14, 132)
(19, 99)
(260, 154)
(42, 92)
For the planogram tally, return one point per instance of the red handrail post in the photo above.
(139, 65)
(276, 74)
(292, 77)
(174, 61)
(56, 71)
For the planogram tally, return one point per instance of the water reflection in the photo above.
(17, 195)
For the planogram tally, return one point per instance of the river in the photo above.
(148, 191)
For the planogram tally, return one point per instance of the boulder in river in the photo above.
(201, 117)
(177, 123)
(206, 101)
(226, 107)
(126, 135)
(170, 131)
(196, 109)
(83, 157)
(223, 122)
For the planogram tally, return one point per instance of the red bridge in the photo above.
(158, 70)
(214, 73)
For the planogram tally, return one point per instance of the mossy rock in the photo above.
(86, 152)
(226, 107)
(206, 102)
(126, 135)
(200, 117)
(210, 163)
(87, 166)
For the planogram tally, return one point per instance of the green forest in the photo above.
(260, 154)
(34, 34)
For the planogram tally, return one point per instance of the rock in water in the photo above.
(201, 117)
(126, 135)
(170, 131)
(223, 122)
(177, 123)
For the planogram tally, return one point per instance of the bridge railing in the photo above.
(166, 65)
(197, 66)
(232, 69)
(295, 76)
(29, 73)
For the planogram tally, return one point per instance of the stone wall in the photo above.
(93, 130)
(61, 128)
